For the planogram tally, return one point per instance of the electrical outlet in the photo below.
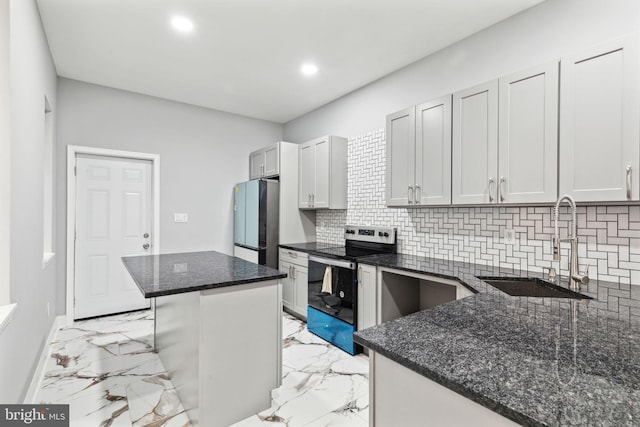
(509, 236)
(180, 217)
(180, 267)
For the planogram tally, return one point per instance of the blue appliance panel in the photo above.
(331, 329)
(252, 224)
(239, 209)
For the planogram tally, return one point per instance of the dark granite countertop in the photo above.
(167, 274)
(537, 361)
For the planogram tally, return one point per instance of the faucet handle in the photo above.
(583, 278)
(585, 274)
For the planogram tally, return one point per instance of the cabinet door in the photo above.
(528, 136)
(599, 127)
(287, 284)
(433, 152)
(306, 173)
(475, 144)
(272, 161)
(256, 164)
(400, 173)
(366, 296)
(320, 194)
(301, 279)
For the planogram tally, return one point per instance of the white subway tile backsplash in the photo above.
(609, 235)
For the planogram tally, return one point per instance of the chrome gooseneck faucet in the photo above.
(575, 277)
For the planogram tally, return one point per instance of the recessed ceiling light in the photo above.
(308, 69)
(181, 23)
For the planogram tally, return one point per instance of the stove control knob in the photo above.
(380, 233)
(386, 234)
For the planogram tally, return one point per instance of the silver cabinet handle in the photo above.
(313, 199)
(293, 270)
(418, 195)
(309, 199)
(411, 196)
(360, 275)
(293, 254)
(501, 189)
(491, 181)
(628, 182)
(145, 246)
(263, 169)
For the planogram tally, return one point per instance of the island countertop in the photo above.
(537, 361)
(168, 274)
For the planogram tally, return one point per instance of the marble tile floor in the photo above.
(109, 374)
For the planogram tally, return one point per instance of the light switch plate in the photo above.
(509, 236)
(180, 217)
(180, 267)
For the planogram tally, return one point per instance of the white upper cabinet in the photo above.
(320, 196)
(528, 136)
(419, 155)
(599, 123)
(400, 172)
(505, 144)
(433, 152)
(323, 173)
(265, 163)
(475, 144)
(307, 174)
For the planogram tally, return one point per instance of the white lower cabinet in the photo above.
(300, 289)
(295, 286)
(287, 284)
(402, 397)
(366, 296)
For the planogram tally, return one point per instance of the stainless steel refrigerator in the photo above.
(256, 221)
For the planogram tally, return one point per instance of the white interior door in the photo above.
(113, 219)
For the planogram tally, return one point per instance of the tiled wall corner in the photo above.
(609, 235)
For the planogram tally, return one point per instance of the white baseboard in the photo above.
(38, 375)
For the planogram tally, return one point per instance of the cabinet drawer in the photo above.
(294, 257)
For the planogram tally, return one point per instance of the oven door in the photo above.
(333, 287)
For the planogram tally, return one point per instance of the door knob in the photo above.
(145, 235)
(145, 246)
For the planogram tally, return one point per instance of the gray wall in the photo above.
(5, 152)
(203, 153)
(33, 76)
(537, 35)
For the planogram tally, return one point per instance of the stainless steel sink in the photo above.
(531, 287)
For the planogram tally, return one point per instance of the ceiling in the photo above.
(244, 56)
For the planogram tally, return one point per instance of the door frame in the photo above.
(72, 152)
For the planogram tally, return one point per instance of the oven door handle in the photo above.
(333, 262)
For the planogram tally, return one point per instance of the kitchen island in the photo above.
(510, 360)
(217, 330)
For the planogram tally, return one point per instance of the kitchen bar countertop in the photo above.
(537, 361)
(168, 274)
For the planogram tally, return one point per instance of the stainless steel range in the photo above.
(333, 283)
